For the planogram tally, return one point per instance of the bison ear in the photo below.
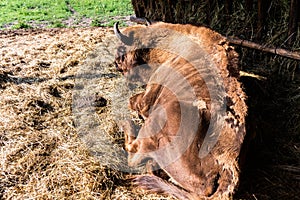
(125, 39)
(148, 22)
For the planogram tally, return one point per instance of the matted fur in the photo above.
(216, 175)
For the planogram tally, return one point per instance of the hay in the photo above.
(272, 85)
(42, 153)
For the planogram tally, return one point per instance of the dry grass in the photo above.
(41, 155)
(43, 151)
(272, 83)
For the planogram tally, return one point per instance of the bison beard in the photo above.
(178, 103)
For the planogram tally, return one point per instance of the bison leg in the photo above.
(137, 103)
(130, 132)
(137, 146)
(131, 143)
(158, 185)
(150, 166)
(142, 102)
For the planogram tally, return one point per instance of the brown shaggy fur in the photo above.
(216, 175)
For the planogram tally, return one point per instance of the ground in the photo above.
(42, 156)
(41, 152)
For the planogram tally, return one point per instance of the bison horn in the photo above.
(125, 39)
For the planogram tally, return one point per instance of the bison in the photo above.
(193, 108)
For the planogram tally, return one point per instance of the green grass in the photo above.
(55, 11)
(102, 8)
(28, 10)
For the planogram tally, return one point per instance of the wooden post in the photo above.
(262, 6)
(293, 21)
(228, 7)
(208, 12)
(228, 10)
(249, 5)
(264, 48)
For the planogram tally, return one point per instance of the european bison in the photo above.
(193, 109)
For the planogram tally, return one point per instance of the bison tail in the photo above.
(157, 185)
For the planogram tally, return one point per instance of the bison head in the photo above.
(134, 57)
